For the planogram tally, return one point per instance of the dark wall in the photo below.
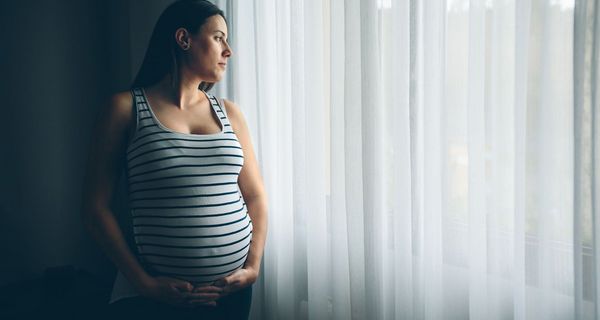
(59, 60)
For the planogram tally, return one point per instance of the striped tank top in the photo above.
(190, 220)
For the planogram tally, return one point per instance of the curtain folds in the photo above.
(423, 159)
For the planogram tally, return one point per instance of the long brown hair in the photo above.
(162, 56)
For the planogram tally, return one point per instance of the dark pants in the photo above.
(236, 305)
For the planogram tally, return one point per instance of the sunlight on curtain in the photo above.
(423, 159)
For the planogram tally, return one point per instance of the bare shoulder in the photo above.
(114, 116)
(233, 110)
(119, 106)
(237, 120)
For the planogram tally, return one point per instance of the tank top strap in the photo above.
(143, 116)
(222, 112)
(139, 100)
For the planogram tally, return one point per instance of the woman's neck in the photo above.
(184, 93)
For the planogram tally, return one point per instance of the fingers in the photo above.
(223, 282)
(208, 295)
(181, 293)
(223, 286)
(196, 300)
(203, 299)
(204, 296)
(208, 289)
(182, 286)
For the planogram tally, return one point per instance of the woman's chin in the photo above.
(215, 78)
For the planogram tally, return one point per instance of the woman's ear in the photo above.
(182, 38)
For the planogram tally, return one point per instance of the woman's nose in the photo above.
(228, 52)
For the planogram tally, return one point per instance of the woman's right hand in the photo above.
(177, 292)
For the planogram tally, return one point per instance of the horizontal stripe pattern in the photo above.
(190, 220)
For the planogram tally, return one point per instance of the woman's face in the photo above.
(209, 50)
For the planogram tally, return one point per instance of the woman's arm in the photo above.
(252, 188)
(105, 155)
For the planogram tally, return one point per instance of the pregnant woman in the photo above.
(197, 201)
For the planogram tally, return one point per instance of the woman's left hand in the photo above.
(239, 279)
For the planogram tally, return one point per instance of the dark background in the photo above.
(59, 61)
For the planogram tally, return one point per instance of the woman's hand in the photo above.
(239, 279)
(179, 293)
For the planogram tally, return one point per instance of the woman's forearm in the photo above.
(105, 230)
(257, 209)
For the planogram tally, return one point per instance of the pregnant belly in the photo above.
(196, 248)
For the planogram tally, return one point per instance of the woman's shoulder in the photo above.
(115, 112)
(232, 110)
(121, 102)
(236, 117)
(119, 106)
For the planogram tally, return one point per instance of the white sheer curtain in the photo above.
(423, 159)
